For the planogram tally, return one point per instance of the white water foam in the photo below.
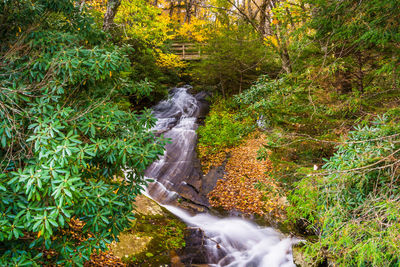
(244, 243)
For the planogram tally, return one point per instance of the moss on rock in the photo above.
(154, 237)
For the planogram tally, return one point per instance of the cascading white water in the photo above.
(176, 119)
(240, 243)
(228, 241)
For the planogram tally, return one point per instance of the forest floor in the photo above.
(247, 186)
(103, 258)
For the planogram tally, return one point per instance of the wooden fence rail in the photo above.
(187, 51)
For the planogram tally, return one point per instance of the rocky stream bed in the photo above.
(180, 231)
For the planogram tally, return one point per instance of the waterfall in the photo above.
(228, 241)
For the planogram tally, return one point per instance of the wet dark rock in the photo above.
(194, 181)
(190, 89)
(195, 251)
(191, 207)
(190, 193)
(195, 178)
(202, 96)
(204, 104)
(209, 180)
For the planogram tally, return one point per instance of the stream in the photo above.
(229, 241)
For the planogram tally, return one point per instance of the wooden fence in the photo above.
(187, 51)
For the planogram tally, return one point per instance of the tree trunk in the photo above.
(81, 5)
(112, 7)
(283, 50)
(250, 9)
(286, 64)
(263, 18)
(196, 8)
(188, 15)
(171, 8)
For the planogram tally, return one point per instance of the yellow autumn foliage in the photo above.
(169, 61)
(98, 5)
(143, 21)
(195, 31)
(138, 19)
(271, 41)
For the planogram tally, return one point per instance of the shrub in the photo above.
(222, 129)
(63, 140)
(354, 207)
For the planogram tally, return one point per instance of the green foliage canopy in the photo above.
(366, 24)
(236, 56)
(362, 41)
